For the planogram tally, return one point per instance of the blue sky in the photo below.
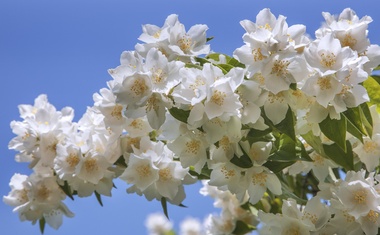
(64, 48)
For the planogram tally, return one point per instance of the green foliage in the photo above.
(372, 84)
(242, 228)
(335, 130)
(164, 206)
(42, 224)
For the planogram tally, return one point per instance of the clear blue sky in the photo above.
(64, 48)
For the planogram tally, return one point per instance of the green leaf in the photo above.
(209, 39)
(204, 175)
(366, 117)
(372, 86)
(304, 155)
(377, 68)
(179, 114)
(202, 61)
(243, 161)
(286, 150)
(235, 63)
(353, 116)
(164, 206)
(99, 198)
(42, 223)
(335, 130)
(288, 193)
(190, 65)
(286, 126)
(242, 228)
(314, 141)
(277, 166)
(354, 131)
(342, 158)
(67, 190)
(376, 78)
(214, 56)
(121, 161)
(225, 67)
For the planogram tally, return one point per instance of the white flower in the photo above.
(164, 74)
(320, 166)
(259, 179)
(369, 151)
(358, 197)
(191, 148)
(327, 56)
(227, 176)
(258, 152)
(92, 168)
(158, 224)
(324, 88)
(134, 90)
(252, 98)
(221, 100)
(141, 171)
(276, 106)
(36, 197)
(282, 70)
(348, 28)
(190, 226)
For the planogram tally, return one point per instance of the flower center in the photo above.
(260, 179)
(324, 83)
(193, 147)
(328, 59)
(218, 97)
(165, 174)
(280, 68)
(185, 43)
(139, 87)
(72, 160)
(370, 146)
(90, 165)
(116, 112)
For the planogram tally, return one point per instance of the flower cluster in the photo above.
(270, 128)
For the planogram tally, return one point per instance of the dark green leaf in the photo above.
(286, 150)
(335, 130)
(314, 141)
(286, 126)
(179, 114)
(242, 228)
(276, 166)
(209, 39)
(164, 206)
(121, 161)
(67, 190)
(204, 175)
(353, 116)
(42, 223)
(243, 161)
(304, 155)
(354, 131)
(342, 158)
(366, 117)
(376, 78)
(99, 198)
(288, 193)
